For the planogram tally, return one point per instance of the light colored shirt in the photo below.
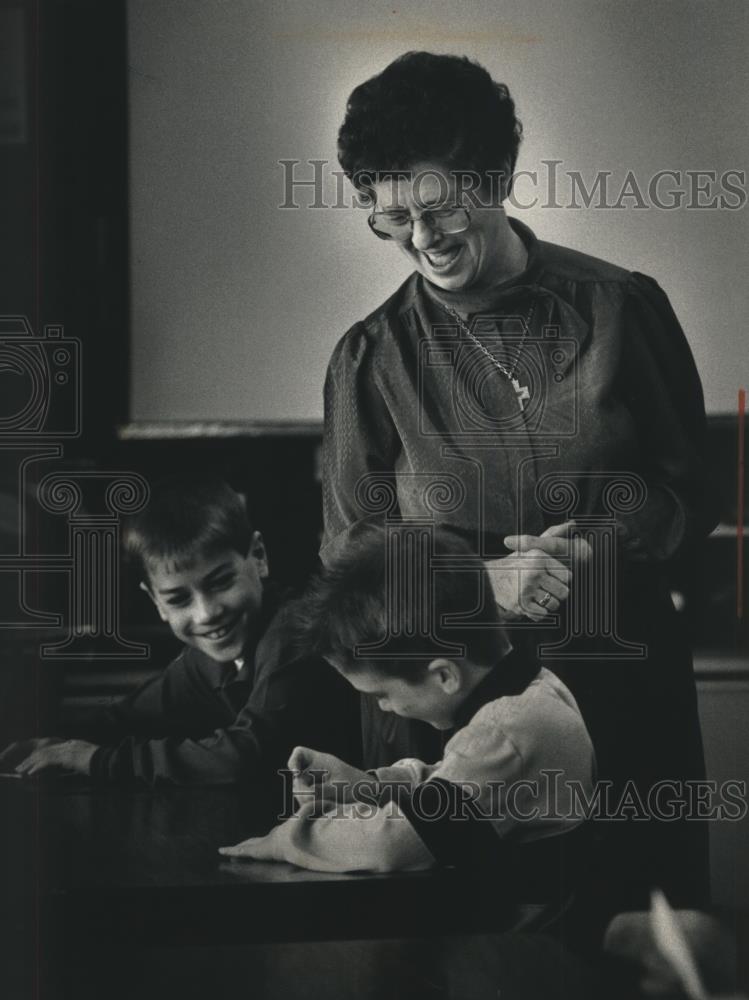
(525, 760)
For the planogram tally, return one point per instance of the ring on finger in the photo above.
(544, 601)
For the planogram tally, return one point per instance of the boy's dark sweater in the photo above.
(202, 722)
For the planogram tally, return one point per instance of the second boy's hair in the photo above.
(187, 517)
(361, 598)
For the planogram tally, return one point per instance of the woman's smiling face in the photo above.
(454, 262)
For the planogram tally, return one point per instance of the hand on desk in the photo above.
(30, 757)
(274, 846)
(532, 582)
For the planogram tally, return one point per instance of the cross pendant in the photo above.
(521, 391)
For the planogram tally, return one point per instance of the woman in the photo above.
(552, 402)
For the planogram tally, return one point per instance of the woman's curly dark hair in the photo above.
(428, 108)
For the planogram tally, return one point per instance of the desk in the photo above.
(122, 873)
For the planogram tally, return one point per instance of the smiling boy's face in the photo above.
(213, 602)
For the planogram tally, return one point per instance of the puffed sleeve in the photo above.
(359, 435)
(662, 391)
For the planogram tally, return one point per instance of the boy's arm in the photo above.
(30, 757)
(403, 821)
(300, 702)
(353, 837)
(175, 701)
(408, 771)
(210, 761)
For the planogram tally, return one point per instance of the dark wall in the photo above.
(277, 474)
(64, 198)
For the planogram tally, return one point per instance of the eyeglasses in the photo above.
(399, 225)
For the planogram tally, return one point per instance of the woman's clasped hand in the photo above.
(535, 579)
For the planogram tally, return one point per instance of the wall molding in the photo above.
(160, 430)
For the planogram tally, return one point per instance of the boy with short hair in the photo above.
(239, 695)
(517, 742)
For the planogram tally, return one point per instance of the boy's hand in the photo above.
(274, 846)
(278, 845)
(314, 771)
(34, 756)
(304, 759)
(12, 755)
(268, 848)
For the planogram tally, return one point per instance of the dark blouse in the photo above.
(615, 399)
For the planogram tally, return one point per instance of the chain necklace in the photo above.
(522, 392)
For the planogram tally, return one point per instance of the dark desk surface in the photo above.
(108, 858)
(111, 890)
(108, 892)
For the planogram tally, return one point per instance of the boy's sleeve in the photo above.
(351, 838)
(302, 702)
(174, 702)
(409, 771)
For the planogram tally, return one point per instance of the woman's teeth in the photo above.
(443, 257)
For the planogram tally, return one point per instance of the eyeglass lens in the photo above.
(399, 225)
